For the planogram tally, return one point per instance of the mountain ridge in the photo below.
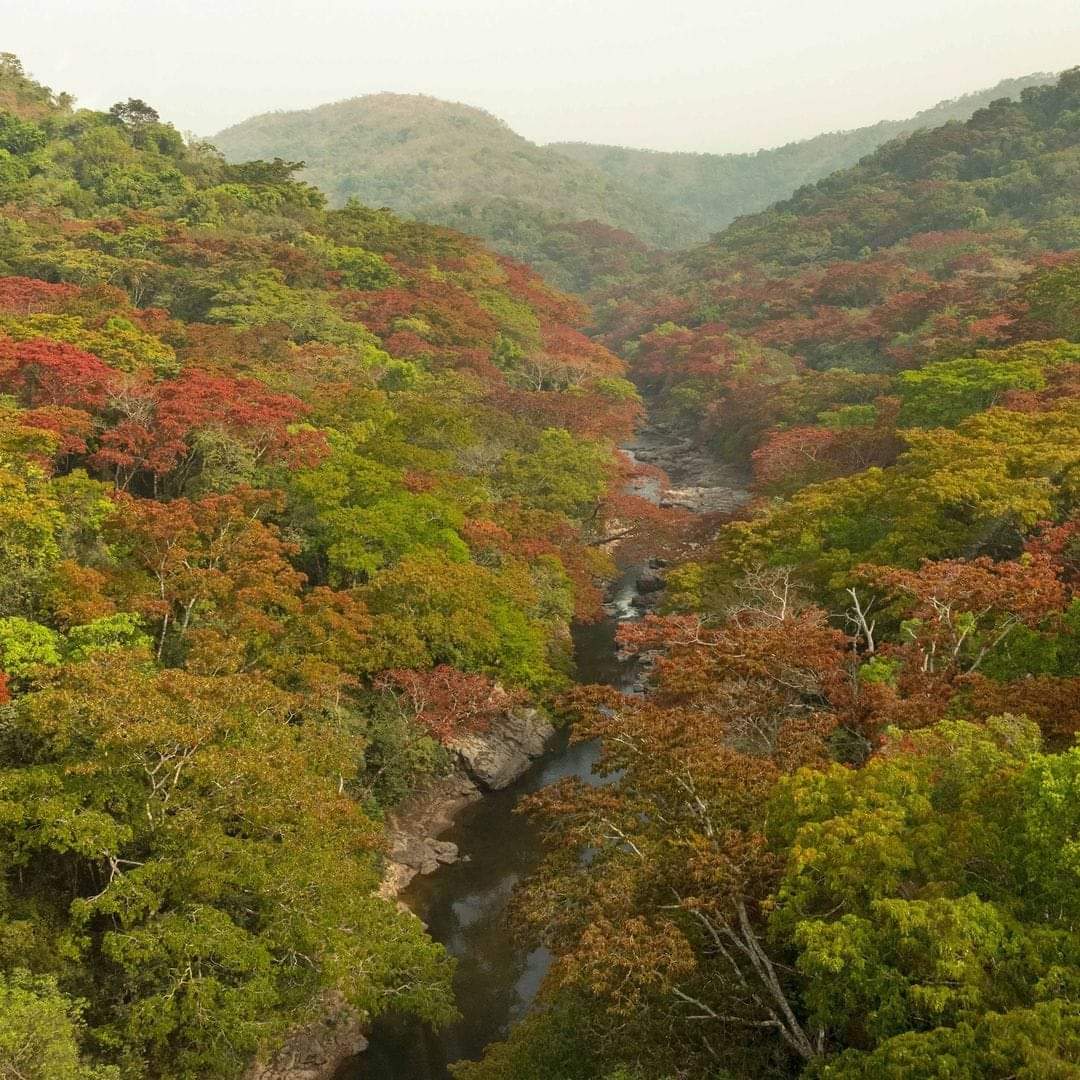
(462, 166)
(718, 188)
(424, 156)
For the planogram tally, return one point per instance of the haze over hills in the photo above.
(450, 163)
(310, 524)
(714, 189)
(460, 166)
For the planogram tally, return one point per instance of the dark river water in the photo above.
(464, 904)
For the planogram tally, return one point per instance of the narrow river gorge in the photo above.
(464, 904)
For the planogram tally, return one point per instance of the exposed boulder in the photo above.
(705, 500)
(650, 581)
(424, 854)
(497, 757)
(318, 1049)
(413, 827)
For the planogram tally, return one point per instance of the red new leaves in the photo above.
(793, 457)
(1061, 544)
(801, 452)
(42, 372)
(957, 621)
(649, 890)
(5, 694)
(145, 425)
(156, 422)
(575, 356)
(958, 612)
(447, 315)
(74, 426)
(761, 678)
(449, 703)
(24, 296)
(208, 571)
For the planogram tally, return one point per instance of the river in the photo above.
(464, 904)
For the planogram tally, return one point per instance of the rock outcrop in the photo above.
(497, 757)
(698, 482)
(413, 829)
(488, 761)
(318, 1049)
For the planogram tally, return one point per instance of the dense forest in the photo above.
(289, 497)
(839, 835)
(293, 497)
(579, 214)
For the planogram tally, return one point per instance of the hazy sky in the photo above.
(669, 74)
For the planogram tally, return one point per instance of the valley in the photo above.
(581, 215)
(464, 904)
(674, 677)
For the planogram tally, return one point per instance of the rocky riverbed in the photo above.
(488, 761)
(696, 480)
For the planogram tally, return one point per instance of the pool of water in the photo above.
(464, 905)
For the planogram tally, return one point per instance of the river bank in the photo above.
(464, 903)
(457, 848)
(483, 764)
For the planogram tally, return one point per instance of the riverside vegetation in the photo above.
(840, 835)
(291, 497)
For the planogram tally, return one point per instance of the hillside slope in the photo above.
(450, 163)
(289, 498)
(906, 257)
(714, 189)
(462, 167)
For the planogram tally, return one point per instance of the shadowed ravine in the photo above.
(464, 904)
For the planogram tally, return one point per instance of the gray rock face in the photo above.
(698, 481)
(650, 581)
(424, 854)
(498, 756)
(415, 824)
(316, 1050)
(705, 500)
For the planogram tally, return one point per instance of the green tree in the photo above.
(25, 646)
(942, 394)
(40, 1032)
(199, 925)
(561, 473)
(929, 902)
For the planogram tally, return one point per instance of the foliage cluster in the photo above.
(290, 498)
(837, 838)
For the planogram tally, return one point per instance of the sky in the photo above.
(707, 75)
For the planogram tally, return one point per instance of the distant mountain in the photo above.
(456, 165)
(451, 164)
(714, 189)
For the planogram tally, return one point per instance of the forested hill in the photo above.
(839, 835)
(293, 497)
(289, 498)
(451, 163)
(714, 189)
(935, 248)
(580, 214)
